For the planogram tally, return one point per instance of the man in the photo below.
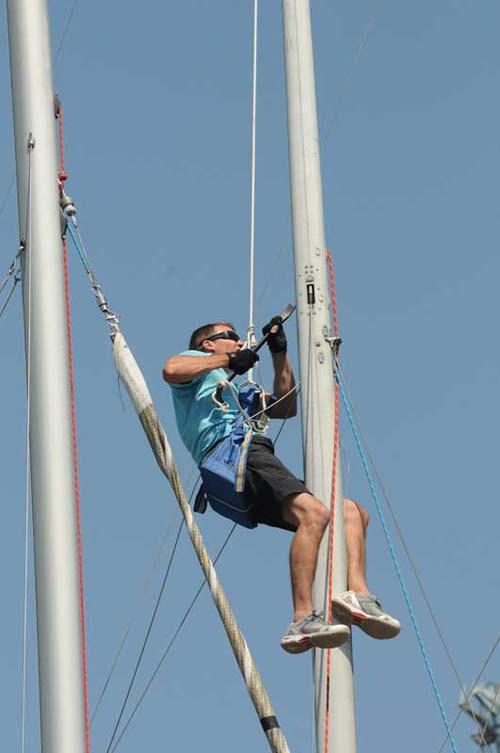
(276, 496)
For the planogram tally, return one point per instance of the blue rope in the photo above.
(406, 595)
(79, 248)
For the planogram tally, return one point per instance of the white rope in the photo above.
(251, 325)
(28, 464)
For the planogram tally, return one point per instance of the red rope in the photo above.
(62, 177)
(332, 498)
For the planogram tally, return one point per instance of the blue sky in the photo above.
(157, 109)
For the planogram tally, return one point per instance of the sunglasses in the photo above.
(227, 335)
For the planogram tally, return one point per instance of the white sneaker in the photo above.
(365, 611)
(312, 631)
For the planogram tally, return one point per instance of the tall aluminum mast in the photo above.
(316, 374)
(56, 563)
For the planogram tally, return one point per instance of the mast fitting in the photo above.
(334, 343)
(67, 205)
(31, 142)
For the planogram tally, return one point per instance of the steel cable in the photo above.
(404, 544)
(468, 695)
(28, 464)
(394, 558)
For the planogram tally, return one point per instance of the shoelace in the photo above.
(315, 616)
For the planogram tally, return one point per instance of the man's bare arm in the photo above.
(180, 369)
(284, 382)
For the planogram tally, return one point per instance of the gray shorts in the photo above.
(268, 483)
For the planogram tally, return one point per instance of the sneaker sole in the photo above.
(372, 626)
(296, 645)
(331, 639)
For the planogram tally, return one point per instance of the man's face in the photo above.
(221, 345)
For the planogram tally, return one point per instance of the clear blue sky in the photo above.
(157, 115)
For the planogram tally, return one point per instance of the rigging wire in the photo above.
(146, 638)
(411, 611)
(350, 76)
(27, 245)
(7, 194)
(272, 271)
(13, 274)
(468, 695)
(8, 296)
(11, 270)
(406, 548)
(145, 591)
(172, 640)
(66, 30)
(489, 715)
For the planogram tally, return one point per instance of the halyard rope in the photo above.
(251, 324)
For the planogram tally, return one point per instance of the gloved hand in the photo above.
(242, 360)
(276, 340)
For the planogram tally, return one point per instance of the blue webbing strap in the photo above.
(394, 557)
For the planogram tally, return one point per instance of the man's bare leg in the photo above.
(358, 605)
(356, 521)
(311, 518)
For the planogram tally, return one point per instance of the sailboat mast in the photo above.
(335, 713)
(50, 432)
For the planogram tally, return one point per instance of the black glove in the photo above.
(276, 340)
(242, 360)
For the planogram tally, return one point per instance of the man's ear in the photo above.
(207, 346)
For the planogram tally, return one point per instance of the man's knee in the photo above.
(306, 509)
(353, 511)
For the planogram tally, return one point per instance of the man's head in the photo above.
(218, 337)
